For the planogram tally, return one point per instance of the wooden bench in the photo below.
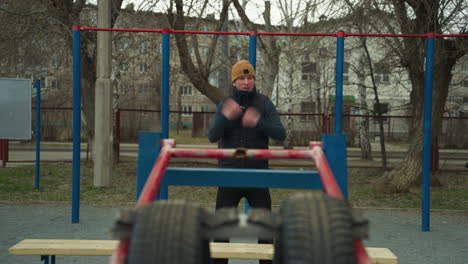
(51, 247)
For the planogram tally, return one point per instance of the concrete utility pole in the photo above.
(103, 114)
(224, 71)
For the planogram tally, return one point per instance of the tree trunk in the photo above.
(88, 77)
(288, 144)
(410, 170)
(364, 142)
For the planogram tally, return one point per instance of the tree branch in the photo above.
(193, 73)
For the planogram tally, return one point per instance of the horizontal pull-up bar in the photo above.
(255, 33)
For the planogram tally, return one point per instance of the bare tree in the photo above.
(198, 71)
(67, 14)
(21, 32)
(420, 17)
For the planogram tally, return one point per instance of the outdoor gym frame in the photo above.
(340, 36)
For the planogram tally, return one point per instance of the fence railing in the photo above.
(56, 125)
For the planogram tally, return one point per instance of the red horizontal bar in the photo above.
(387, 35)
(122, 29)
(298, 34)
(453, 35)
(253, 33)
(247, 153)
(209, 32)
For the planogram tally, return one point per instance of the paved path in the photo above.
(50, 151)
(397, 230)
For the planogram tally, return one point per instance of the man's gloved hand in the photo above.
(231, 109)
(251, 117)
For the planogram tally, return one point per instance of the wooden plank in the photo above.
(64, 247)
(241, 250)
(381, 255)
(75, 247)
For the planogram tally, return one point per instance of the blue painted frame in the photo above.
(252, 58)
(334, 148)
(76, 124)
(165, 74)
(427, 135)
(38, 135)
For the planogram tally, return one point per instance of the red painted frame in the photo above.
(168, 150)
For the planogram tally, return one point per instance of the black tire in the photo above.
(316, 228)
(168, 232)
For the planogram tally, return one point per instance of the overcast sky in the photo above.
(254, 8)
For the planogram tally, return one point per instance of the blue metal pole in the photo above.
(76, 124)
(38, 133)
(165, 83)
(253, 49)
(339, 81)
(253, 61)
(427, 135)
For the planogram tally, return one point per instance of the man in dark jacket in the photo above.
(245, 119)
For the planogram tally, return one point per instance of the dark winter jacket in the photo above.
(233, 135)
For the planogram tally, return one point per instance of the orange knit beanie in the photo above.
(242, 67)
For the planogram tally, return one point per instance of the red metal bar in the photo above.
(298, 34)
(121, 253)
(247, 153)
(331, 188)
(4, 151)
(121, 29)
(148, 193)
(157, 173)
(153, 183)
(326, 175)
(249, 33)
(361, 254)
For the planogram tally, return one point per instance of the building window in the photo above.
(453, 83)
(186, 90)
(323, 52)
(124, 67)
(307, 107)
(455, 99)
(381, 73)
(56, 62)
(123, 44)
(187, 110)
(346, 73)
(309, 71)
(204, 51)
(54, 84)
(205, 108)
(144, 46)
(143, 67)
(465, 84)
(465, 67)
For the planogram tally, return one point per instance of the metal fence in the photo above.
(56, 125)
